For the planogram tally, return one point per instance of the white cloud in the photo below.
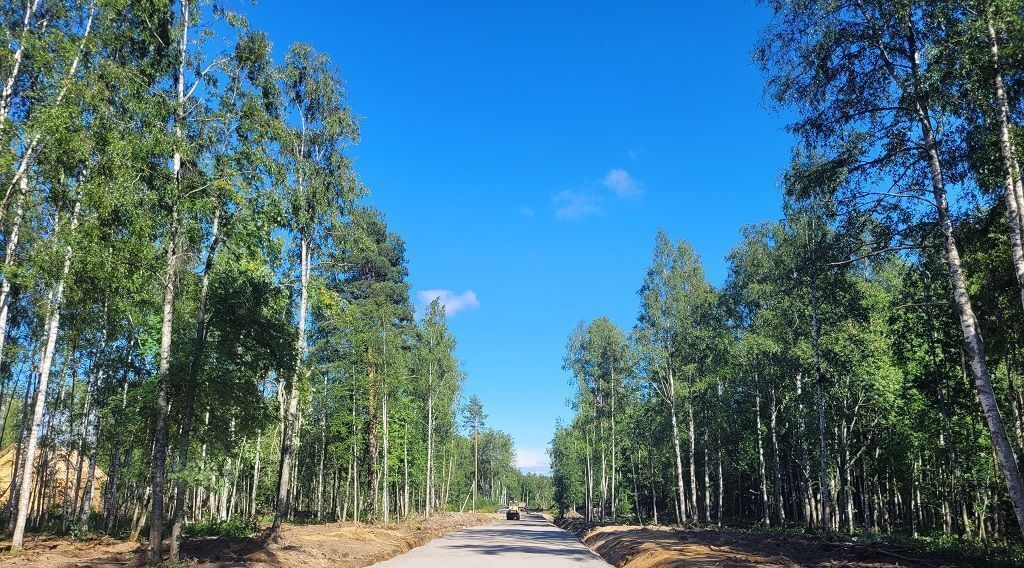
(624, 185)
(573, 206)
(526, 211)
(533, 460)
(453, 303)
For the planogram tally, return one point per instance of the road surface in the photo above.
(529, 543)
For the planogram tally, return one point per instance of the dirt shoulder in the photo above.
(664, 547)
(334, 545)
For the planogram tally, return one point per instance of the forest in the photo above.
(837, 380)
(204, 325)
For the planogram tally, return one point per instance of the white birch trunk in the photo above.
(1010, 165)
(287, 437)
(45, 363)
(675, 445)
(760, 462)
(12, 245)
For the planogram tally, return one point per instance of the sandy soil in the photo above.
(667, 547)
(336, 545)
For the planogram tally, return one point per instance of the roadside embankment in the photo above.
(333, 545)
(627, 546)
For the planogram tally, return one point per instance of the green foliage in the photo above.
(234, 526)
(168, 181)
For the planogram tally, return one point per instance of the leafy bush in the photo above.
(235, 526)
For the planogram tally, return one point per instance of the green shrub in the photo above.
(235, 526)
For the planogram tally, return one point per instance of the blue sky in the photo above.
(529, 151)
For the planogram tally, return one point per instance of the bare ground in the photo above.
(669, 547)
(335, 545)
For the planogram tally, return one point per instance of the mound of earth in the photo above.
(668, 547)
(333, 545)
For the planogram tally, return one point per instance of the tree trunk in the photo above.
(156, 522)
(760, 462)
(1013, 178)
(973, 344)
(826, 489)
(707, 481)
(721, 483)
(83, 517)
(6, 95)
(253, 491)
(191, 384)
(476, 463)
(614, 472)
(287, 450)
(323, 453)
(428, 506)
(12, 246)
(780, 510)
(675, 444)
(46, 361)
(693, 452)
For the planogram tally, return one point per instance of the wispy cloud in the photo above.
(533, 460)
(622, 183)
(453, 303)
(574, 205)
(526, 211)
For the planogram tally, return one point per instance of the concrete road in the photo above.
(529, 543)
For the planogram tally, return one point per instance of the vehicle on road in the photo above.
(513, 513)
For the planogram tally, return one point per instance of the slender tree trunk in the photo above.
(253, 491)
(693, 452)
(12, 246)
(287, 438)
(19, 458)
(33, 144)
(476, 463)
(707, 480)
(636, 488)
(46, 361)
(111, 503)
(323, 452)
(589, 503)
(805, 467)
(826, 489)
(973, 344)
(614, 472)
(675, 444)
(780, 510)
(86, 506)
(654, 487)
(191, 384)
(1010, 166)
(428, 506)
(156, 522)
(83, 517)
(384, 462)
(765, 518)
(7, 94)
(721, 484)
(405, 491)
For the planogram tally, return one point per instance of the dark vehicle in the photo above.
(513, 513)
